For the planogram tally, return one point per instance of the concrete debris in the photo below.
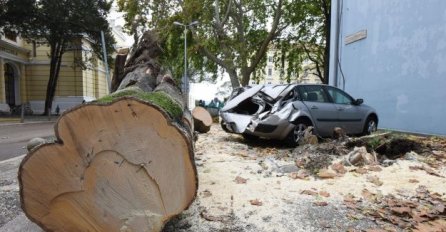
(424, 210)
(301, 174)
(309, 192)
(411, 156)
(256, 202)
(339, 168)
(326, 174)
(324, 194)
(309, 137)
(374, 180)
(359, 156)
(277, 166)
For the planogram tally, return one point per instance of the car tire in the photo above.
(249, 137)
(297, 134)
(370, 126)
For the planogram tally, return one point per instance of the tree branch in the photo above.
(212, 57)
(316, 62)
(271, 35)
(239, 21)
(228, 10)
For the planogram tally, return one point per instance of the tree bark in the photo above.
(57, 50)
(122, 163)
(118, 73)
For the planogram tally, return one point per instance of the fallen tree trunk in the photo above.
(202, 119)
(123, 163)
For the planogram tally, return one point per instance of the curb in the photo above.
(25, 123)
(19, 157)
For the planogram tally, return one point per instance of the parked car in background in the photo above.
(284, 112)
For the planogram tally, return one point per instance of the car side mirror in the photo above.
(358, 102)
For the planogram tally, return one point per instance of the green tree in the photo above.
(235, 35)
(314, 35)
(57, 23)
(11, 13)
(232, 34)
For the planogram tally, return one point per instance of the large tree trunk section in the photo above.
(118, 73)
(123, 163)
(202, 119)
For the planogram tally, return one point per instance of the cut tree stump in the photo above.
(202, 119)
(122, 163)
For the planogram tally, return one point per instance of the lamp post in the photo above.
(185, 79)
(107, 71)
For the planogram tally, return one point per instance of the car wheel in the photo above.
(223, 126)
(297, 134)
(370, 126)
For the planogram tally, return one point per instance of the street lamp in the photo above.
(185, 79)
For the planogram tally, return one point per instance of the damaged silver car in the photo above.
(283, 112)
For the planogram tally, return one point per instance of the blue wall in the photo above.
(400, 67)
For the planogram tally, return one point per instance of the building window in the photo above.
(270, 71)
(269, 82)
(270, 59)
(10, 35)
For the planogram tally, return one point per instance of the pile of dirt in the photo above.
(391, 145)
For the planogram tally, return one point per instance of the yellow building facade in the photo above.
(24, 74)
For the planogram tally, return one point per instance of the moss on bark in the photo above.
(160, 99)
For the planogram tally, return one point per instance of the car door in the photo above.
(350, 116)
(323, 112)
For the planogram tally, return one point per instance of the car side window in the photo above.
(338, 96)
(313, 93)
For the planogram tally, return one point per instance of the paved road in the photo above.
(13, 137)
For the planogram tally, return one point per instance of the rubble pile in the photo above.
(314, 157)
(424, 211)
(372, 151)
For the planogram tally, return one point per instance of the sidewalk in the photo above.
(12, 219)
(11, 120)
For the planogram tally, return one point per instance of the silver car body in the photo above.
(270, 111)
